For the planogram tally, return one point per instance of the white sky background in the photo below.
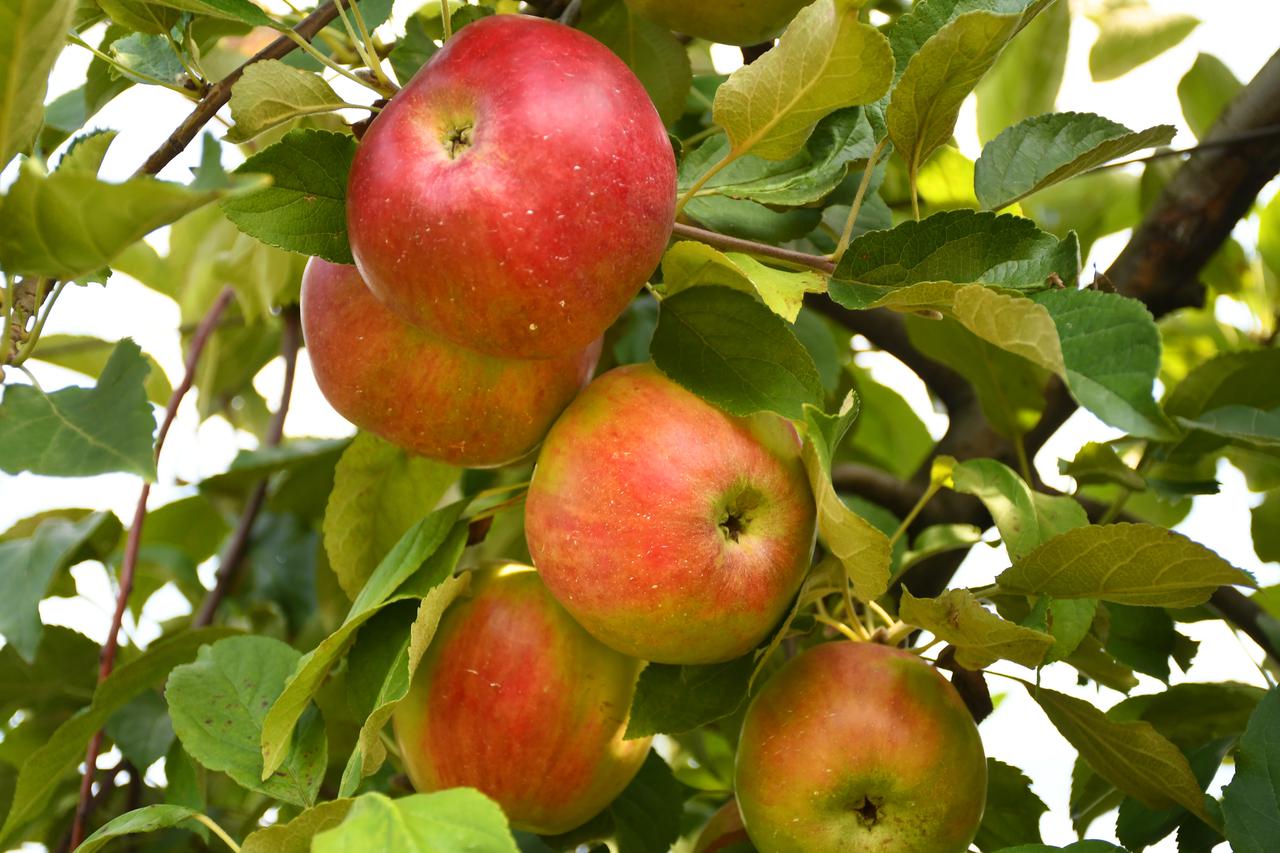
(1242, 33)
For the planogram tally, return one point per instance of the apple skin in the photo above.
(724, 833)
(530, 238)
(740, 22)
(513, 698)
(848, 725)
(421, 392)
(631, 518)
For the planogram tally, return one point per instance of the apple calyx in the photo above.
(457, 138)
(736, 513)
(868, 810)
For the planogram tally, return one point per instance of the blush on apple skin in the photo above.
(858, 747)
(724, 833)
(513, 698)
(740, 22)
(517, 193)
(672, 531)
(421, 392)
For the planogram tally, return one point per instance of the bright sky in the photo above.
(1240, 32)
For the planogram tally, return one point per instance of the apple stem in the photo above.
(446, 20)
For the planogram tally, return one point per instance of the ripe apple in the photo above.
(724, 833)
(422, 392)
(513, 698)
(517, 193)
(672, 531)
(860, 747)
(742, 22)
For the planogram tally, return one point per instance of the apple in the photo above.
(672, 531)
(421, 392)
(860, 747)
(516, 194)
(513, 698)
(724, 833)
(741, 22)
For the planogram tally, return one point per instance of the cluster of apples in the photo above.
(503, 209)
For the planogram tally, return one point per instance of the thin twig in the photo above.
(129, 563)
(751, 247)
(229, 566)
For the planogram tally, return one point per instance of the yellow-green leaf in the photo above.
(689, 264)
(31, 37)
(827, 59)
(980, 636)
(271, 93)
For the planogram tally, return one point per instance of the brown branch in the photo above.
(737, 244)
(129, 564)
(220, 92)
(1203, 201)
(229, 565)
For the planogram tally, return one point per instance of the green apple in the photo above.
(741, 22)
(860, 748)
(513, 698)
(672, 531)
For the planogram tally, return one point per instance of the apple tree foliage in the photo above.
(821, 197)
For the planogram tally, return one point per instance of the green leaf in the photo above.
(1077, 847)
(1266, 528)
(304, 209)
(1130, 34)
(218, 704)
(46, 768)
(646, 815)
(961, 246)
(55, 222)
(1204, 92)
(1068, 620)
(270, 93)
(231, 10)
(1098, 463)
(675, 699)
(370, 752)
(250, 466)
(939, 539)
(1025, 80)
(422, 560)
(78, 432)
(148, 56)
(379, 492)
(980, 636)
(1136, 564)
(688, 264)
(1013, 810)
(28, 567)
(1240, 425)
(653, 52)
(827, 59)
(142, 730)
(296, 835)
(926, 100)
(137, 822)
(1111, 352)
(88, 355)
(925, 19)
(421, 32)
(734, 352)
(1025, 519)
(32, 33)
(838, 141)
(1251, 802)
(1010, 388)
(1047, 149)
(61, 677)
(139, 16)
(861, 547)
(1133, 756)
(459, 820)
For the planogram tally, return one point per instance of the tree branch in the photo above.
(764, 250)
(220, 92)
(229, 566)
(133, 542)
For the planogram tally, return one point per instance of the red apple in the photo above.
(422, 392)
(860, 747)
(672, 531)
(513, 698)
(724, 833)
(742, 22)
(516, 194)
